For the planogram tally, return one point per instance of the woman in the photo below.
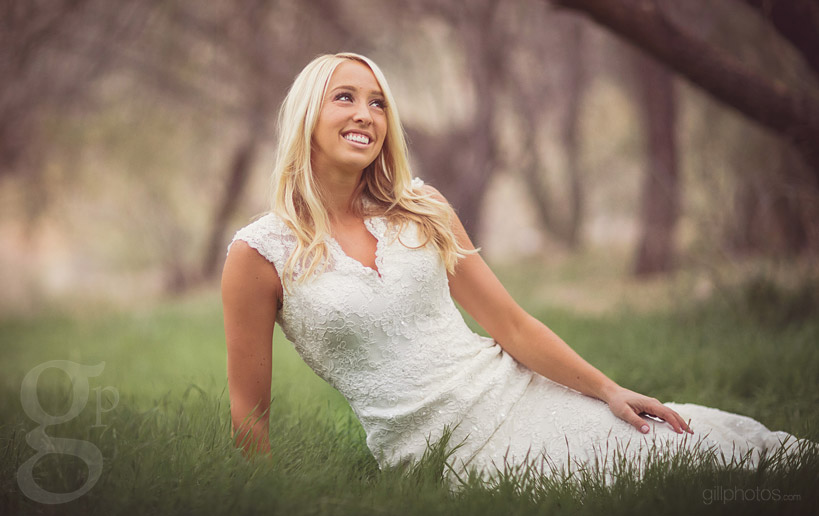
(359, 263)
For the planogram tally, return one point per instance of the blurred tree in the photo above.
(788, 108)
(534, 99)
(661, 186)
(525, 71)
(797, 21)
(260, 45)
(463, 160)
(231, 59)
(51, 52)
(791, 112)
(504, 48)
(772, 211)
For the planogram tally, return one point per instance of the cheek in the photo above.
(323, 133)
(382, 129)
(327, 121)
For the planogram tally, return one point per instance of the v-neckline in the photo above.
(378, 271)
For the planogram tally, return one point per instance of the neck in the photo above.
(339, 191)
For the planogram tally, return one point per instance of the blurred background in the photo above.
(608, 153)
(643, 176)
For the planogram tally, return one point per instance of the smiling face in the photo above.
(352, 123)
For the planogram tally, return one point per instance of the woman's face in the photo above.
(352, 123)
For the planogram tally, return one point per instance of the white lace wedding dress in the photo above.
(395, 346)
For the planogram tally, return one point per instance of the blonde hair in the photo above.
(297, 198)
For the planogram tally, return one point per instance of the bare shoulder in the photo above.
(242, 252)
(249, 274)
(433, 192)
(457, 226)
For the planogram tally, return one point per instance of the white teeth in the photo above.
(358, 138)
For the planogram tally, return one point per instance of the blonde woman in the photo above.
(359, 264)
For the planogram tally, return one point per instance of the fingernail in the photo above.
(644, 429)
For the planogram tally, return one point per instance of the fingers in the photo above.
(636, 421)
(681, 425)
(675, 420)
(684, 425)
(650, 407)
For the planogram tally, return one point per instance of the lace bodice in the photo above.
(395, 346)
(393, 343)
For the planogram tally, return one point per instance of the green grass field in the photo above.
(166, 446)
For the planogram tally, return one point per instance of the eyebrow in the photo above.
(373, 93)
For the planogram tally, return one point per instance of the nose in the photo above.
(362, 114)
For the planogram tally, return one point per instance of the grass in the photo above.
(166, 446)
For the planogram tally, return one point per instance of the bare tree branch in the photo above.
(797, 21)
(792, 113)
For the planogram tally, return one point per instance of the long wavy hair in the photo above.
(297, 198)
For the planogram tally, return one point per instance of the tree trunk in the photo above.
(238, 173)
(569, 134)
(770, 214)
(560, 214)
(459, 164)
(661, 191)
(462, 162)
(747, 219)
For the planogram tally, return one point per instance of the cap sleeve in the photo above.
(270, 237)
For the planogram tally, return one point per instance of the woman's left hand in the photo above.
(628, 405)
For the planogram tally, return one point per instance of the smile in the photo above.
(357, 138)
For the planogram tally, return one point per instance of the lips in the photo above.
(357, 137)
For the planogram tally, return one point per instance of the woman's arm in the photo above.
(476, 288)
(251, 291)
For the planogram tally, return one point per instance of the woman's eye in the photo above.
(344, 96)
(379, 103)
